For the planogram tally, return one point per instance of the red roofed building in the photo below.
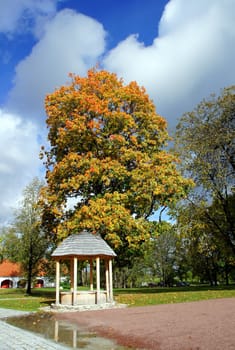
(10, 274)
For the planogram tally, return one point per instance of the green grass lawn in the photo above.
(18, 300)
(155, 296)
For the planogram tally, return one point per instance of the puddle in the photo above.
(63, 332)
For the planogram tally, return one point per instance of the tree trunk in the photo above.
(30, 270)
(29, 280)
(226, 274)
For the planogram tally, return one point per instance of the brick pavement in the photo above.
(13, 338)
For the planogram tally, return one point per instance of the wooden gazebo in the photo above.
(84, 246)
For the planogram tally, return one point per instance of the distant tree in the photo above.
(2, 233)
(107, 166)
(162, 253)
(209, 254)
(205, 142)
(24, 241)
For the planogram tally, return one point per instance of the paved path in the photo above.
(13, 338)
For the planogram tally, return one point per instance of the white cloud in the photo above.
(72, 43)
(192, 57)
(19, 160)
(25, 15)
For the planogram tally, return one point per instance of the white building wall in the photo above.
(14, 280)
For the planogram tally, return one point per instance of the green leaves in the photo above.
(24, 241)
(205, 141)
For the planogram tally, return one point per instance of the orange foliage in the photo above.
(107, 154)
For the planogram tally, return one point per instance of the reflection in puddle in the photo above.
(63, 332)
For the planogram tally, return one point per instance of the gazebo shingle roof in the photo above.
(83, 244)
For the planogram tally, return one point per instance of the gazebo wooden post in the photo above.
(110, 280)
(91, 274)
(56, 338)
(75, 338)
(97, 279)
(71, 275)
(107, 280)
(57, 299)
(75, 278)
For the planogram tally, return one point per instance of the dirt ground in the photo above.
(203, 325)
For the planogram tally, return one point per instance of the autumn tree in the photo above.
(107, 166)
(205, 142)
(24, 241)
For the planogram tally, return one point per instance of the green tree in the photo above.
(107, 156)
(201, 247)
(24, 241)
(2, 234)
(162, 252)
(205, 142)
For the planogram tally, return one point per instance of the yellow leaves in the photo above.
(69, 124)
(106, 215)
(114, 239)
(118, 138)
(92, 124)
(133, 139)
(106, 151)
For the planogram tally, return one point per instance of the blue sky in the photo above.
(180, 50)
